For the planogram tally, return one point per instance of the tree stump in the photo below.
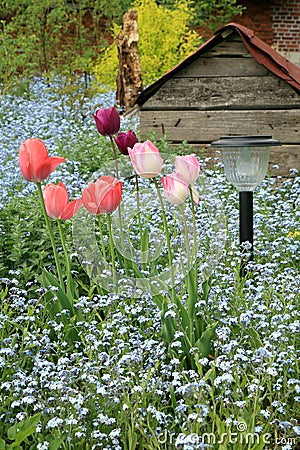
(129, 78)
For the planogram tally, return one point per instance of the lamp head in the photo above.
(245, 159)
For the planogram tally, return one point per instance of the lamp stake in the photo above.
(246, 226)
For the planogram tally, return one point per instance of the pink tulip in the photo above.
(146, 159)
(103, 196)
(175, 187)
(188, 167)
(125, 141)
(57, 202)
(107, 121)
(34, 162)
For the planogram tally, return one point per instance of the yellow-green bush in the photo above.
(164, 40)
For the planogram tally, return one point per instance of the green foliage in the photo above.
(48, 36)
(19, 432)
(163, 42)
(213, 14)
(210, 14)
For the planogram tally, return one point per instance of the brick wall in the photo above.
(286, 26)
(277, 22)
(258, 17)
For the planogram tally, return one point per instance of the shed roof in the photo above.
(261, 52)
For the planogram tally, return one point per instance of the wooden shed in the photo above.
(233, 84)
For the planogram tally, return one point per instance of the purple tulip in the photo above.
(107, 121)
(125, 141)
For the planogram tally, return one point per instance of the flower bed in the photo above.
(121, 381)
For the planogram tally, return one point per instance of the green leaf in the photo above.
(206, 285)
(64, 301)
(192, 293)
(2, 444)
(204, 343)
(20, 431)
(54, 441)
(173, 398)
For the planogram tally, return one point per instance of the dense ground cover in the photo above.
(119, 388)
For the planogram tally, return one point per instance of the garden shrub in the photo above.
(164, 40)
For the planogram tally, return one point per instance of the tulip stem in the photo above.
(167, 239)
(195, 237)
(101, 238)
(115, 155)
(112, 252)
(68, 265)
(48, 225)
(139, 212)
(191, 288)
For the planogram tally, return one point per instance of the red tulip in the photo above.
(146, 159)
(175, 187)
(57, 202)
(107, 121)
(104, 196)
(34, 162)
(188, 167)
(125, 141)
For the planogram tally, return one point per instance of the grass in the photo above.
(119, 386)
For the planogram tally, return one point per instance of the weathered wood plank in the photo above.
(223, 67)
(286, 157)
(236, 48)
(268, 92)
(207, 126)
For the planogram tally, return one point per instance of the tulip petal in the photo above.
(49, 165)
(146, 159)
(34, 162)
(71, 209)
(175, 188)
(57, 202)
(188, 167)
(104, 196)
(195, 195)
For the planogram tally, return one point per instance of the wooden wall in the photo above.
(226, 91)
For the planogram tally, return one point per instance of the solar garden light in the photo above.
(245, 161)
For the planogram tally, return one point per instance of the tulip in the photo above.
(125, 141)
(107, 121)
(175, 187)
(57, 202)
(34, 162)
(188, 167)
(103, 196)
(146, 159)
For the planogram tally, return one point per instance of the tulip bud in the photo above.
(175, 187)
(104, 196)
(125, 141)
(188, 167)
(146, 159)
(34, 162)
(107, 121)
(57, 202)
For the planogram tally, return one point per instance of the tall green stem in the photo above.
(170, 257)
(195, 236)
(48, 225)
(139, 219)
(68, 265)
(190, 282)
(112, 251)
(115, 155)
(101, 238)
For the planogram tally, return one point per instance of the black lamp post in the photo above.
(245, 161)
